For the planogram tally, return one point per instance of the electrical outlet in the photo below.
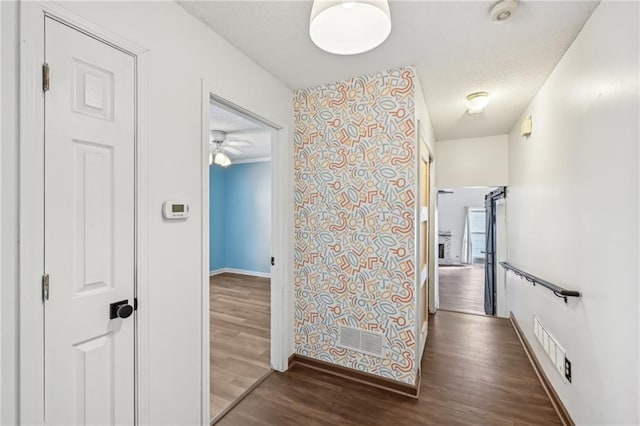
(567, 369)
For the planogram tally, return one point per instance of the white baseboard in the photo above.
(240, 272)
(217, 272)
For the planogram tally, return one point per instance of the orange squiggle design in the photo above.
(337, 352)
(340, 164)
(343, 223)
(408, 216)
(408, 77)
(409, 295)
(341, 289)
(407, 158)
(409, 363)
(343, 97)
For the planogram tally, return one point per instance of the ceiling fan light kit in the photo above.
(218, 144)
(221, 159)
(349, 27)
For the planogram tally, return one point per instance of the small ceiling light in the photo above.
(503, 10)
(221, 159)
(476, 102)
(349, 27)
(216, 156)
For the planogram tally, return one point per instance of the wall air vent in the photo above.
(369, 342)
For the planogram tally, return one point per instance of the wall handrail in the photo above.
(560, 292)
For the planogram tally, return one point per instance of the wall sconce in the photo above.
(526, 127)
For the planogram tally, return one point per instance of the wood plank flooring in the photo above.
(462, 288)
(474, 373)
(239, 332)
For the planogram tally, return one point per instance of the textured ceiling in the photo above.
(454, 46)
(239, 127)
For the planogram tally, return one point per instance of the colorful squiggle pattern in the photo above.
(354, 219)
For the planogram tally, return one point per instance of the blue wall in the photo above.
(240, 217)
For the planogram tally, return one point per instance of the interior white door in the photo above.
(89, 229)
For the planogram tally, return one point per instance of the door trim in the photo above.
(31, 207)
(1, 235)
(281, 240)
(423, 154)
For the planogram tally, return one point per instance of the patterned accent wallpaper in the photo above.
(355, 154)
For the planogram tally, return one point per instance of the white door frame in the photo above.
(502, 254)
(31, 208)
(279, 241)
(423, 153)
(1, 198)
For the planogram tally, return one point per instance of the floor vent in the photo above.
(550, 345)
(369, 342)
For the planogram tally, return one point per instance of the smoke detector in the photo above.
(503, 11)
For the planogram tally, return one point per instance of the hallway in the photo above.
(239, 336)
(462, 288)
(474, 372)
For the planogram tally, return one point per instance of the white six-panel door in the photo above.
(89, 229)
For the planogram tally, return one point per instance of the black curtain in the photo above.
(490, 250)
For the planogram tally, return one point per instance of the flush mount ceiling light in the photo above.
(476, 102)
(503, 11)
(349, 27)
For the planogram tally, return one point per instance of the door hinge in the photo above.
(273, 261)
(135, 303)
(45, 287)
(45, 77)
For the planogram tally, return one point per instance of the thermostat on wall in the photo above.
(175, 210)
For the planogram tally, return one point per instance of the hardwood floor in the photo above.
(474, 372)
(240, 345)
(462, 288)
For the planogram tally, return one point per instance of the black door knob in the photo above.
(120, 309)
(124, 311)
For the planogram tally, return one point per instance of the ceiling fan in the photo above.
(219, 145)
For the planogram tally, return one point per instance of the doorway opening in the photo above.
(240, 206)
(462, 228)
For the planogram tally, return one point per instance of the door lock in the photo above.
(121, 309)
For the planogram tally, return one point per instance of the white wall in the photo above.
(472, 162)
(452, 214)
(573, 216)
(9, 212)
(422, 114)
(182, 52)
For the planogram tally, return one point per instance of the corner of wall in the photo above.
(355, 156)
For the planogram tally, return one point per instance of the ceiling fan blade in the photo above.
(238, 143)
(231, 150)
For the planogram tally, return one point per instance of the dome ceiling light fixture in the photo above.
(349, 27)
(476, 102)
